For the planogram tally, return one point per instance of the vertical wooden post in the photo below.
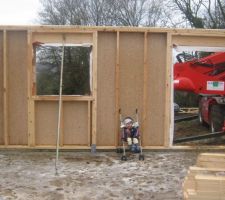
(5, 86)
(31, 109)
(117, 85)
(145, 84)
(169, 88)
(89, 122)
(94, 105)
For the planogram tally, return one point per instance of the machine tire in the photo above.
(119, 150)
(123, 158)
(216, 117)
(200, 117)
(141, 157)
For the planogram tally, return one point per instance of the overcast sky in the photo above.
(18, 12)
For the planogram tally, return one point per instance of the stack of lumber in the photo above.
(206, 180)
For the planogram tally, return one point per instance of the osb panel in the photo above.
(199, 41)
(106, 89)
(156, 84)
(76, 38)
(17, 87)
(131, 73)
(1, 89)
(75, 123)
(46, 118)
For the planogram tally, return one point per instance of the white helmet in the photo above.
(128, 120)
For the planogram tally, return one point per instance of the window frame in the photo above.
(56, 96)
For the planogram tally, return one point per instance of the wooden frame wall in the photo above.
(131, 69)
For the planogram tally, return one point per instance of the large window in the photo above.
(76, 72)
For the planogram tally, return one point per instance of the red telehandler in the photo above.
(205, 77)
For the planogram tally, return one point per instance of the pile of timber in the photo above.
(189, 110)
(206, 180)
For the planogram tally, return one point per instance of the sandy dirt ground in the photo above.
(83, 176)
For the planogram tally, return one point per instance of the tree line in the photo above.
(154, 13)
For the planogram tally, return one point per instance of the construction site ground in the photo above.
(194, 128)
(82, 175)
(30, 174)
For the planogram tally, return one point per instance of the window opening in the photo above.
(76, 73)
(198, 95)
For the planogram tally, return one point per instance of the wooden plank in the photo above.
(106, 129)
(75, 119)
(195, 195)
(190, 182)
(210, 183)
(156, 91)
(5, 89)
(17, 87)
(117, 83)
(86, 29)
(145, 84)
(94, 91)
(89, 123)
(31, 120)
(212, 157)
(74, 38)
(201, 40)
(33, 72)
(1, 90)
(75, 147)
(31, 123)
(64, 98)
(169, 120)
(211, 160)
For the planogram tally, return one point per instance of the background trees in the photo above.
(164, 13)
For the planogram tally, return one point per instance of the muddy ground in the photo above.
(83, 176)
(194, 128)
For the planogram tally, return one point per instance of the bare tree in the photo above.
(166, 13)
(64, 12)
(130, 12)
(191, 11)
(203, 13)
(103, 12)
(215, 14)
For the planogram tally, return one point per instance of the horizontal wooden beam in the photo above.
(88, 29)
(178, 148)
(64, 98)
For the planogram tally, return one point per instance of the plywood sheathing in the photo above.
(106, 89)
(46, 115)
(156, 90)
(17, 84)
(131, 73)
(1, 91)
(75, 123)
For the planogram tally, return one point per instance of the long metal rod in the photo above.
(59, 113)
(199, 137)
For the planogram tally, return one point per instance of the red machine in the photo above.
(205, 77)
